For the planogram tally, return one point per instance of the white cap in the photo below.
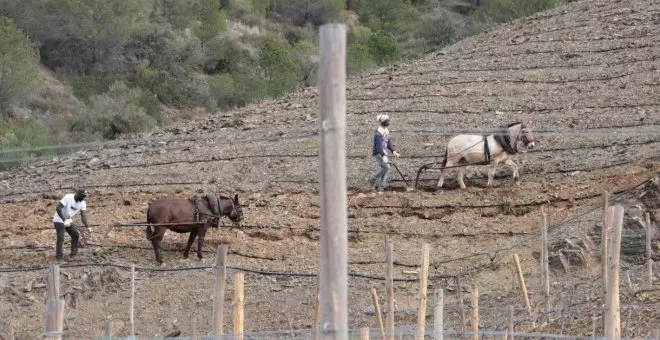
(381, 118)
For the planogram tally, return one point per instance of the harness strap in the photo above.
(504, 141)
(486, 150)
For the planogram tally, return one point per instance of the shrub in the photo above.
(113, 113)
(358, 58)
(279, 70)
(383, 47)
(358, 34)
(237, 89)
(20, 134)
(19, 67)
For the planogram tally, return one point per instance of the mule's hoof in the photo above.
(162, 264)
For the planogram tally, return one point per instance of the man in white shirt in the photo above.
(68, 207)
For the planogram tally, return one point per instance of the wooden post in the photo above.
(53, 292)
(613, 318)
(438, 324)
(423, 287)
(194, 329)
(334, 219)
(54, 319)
(607, 224)
(604, 240)
(317, 318)
(108, 329)
(54, 315)
(379, 317)
(475, 313)
(509, 322)
(389, 289)
(131, 316)
(545, 272)
(523, 287)
(649, 253)
(238, 301)
(219, 290)
(459, 290)
(364, 333)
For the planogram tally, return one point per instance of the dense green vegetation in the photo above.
(82, 70)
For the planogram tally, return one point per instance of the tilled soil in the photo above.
(587, 77)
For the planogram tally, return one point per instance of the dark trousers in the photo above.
(73, 232)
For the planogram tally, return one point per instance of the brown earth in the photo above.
(587, 75)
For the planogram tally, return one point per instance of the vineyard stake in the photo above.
(423, 288)
(389, 289)
(523, 287)
(219, 290)
(613, 320)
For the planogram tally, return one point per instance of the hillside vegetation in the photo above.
(85, 70)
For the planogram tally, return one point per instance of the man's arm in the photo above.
(60, 211)
(83, 217)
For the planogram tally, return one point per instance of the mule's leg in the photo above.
(191, 240)
(514, 167)
(491, 172)
(155, 241)
(200, 241)
(461, 174)
(443, 171)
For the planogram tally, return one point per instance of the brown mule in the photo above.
(193, 215)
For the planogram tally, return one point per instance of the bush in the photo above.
(445, 29)
(358, 58)
(279, 70)
(237, 89)
(383, 47)
(22, 134)
(112, 114)
(19, 67)
(358, 34)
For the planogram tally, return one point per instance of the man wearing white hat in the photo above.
(382, 144)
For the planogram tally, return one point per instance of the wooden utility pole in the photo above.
(333, 274)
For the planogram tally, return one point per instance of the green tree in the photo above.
(280, 71)
(383, 47)
(392, 16)
(86, 36)
(19, 66)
